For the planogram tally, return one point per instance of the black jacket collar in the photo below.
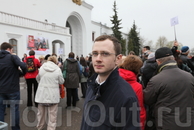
(98, 90)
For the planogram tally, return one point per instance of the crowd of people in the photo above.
(151, 92)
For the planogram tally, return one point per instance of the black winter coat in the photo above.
(109, 106)
(148, 71)
(9, 73)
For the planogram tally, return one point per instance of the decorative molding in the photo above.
(14, 35)
(78, 2)
(87, 5)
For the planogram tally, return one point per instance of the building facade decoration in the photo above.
(78, 2)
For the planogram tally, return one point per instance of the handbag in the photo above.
(62, 90)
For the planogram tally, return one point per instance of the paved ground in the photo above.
(68, 119)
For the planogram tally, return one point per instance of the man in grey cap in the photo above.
(171, 92)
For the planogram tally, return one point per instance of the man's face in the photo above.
(104, 58)
(144, 49)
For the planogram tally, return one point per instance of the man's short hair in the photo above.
(147, 47)
(71, 55)
(31, 52)
(164, 59)
(116, 43)
(5, 46)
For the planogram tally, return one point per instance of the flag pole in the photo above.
(175, 33)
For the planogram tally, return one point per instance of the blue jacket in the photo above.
(108, 106)
(9, 73)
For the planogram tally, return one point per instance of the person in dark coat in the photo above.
(183, 61)
(148, 71)
(110, 101)
(9, 84)
(84, 79)
(72, 76)
(171, 92)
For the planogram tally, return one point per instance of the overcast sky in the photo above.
(152, 17)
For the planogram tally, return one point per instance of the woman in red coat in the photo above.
(128, 70)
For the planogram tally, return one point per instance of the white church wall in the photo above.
(100, 29)
(56, 12)
(21, 35)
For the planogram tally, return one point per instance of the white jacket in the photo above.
(49, 78)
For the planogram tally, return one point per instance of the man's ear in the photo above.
(9, 49)
(118, 59)
(158, 62)
(119, 56)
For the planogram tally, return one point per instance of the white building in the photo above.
(62, 25)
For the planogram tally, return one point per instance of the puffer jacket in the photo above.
(49, 78)
(31, 75)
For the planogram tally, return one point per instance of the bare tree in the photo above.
(161, 42)
(192, 51)
(171, 43)
(150, 44)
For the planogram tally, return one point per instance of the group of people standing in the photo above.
(115, 98)
(43, 83)
(168, 88)
(165, 102)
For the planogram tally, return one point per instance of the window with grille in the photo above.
(13, 42)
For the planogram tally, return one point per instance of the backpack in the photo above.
(86, 71)
(30, 65)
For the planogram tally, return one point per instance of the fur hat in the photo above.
(184, 49)
(163, 52)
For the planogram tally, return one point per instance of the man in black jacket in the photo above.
(9, 83)
(171, 92)
(110, 101)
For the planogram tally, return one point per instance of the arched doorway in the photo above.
(58, 48)
(77, 27)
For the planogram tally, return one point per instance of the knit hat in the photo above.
(184, 49)
(163, 52)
